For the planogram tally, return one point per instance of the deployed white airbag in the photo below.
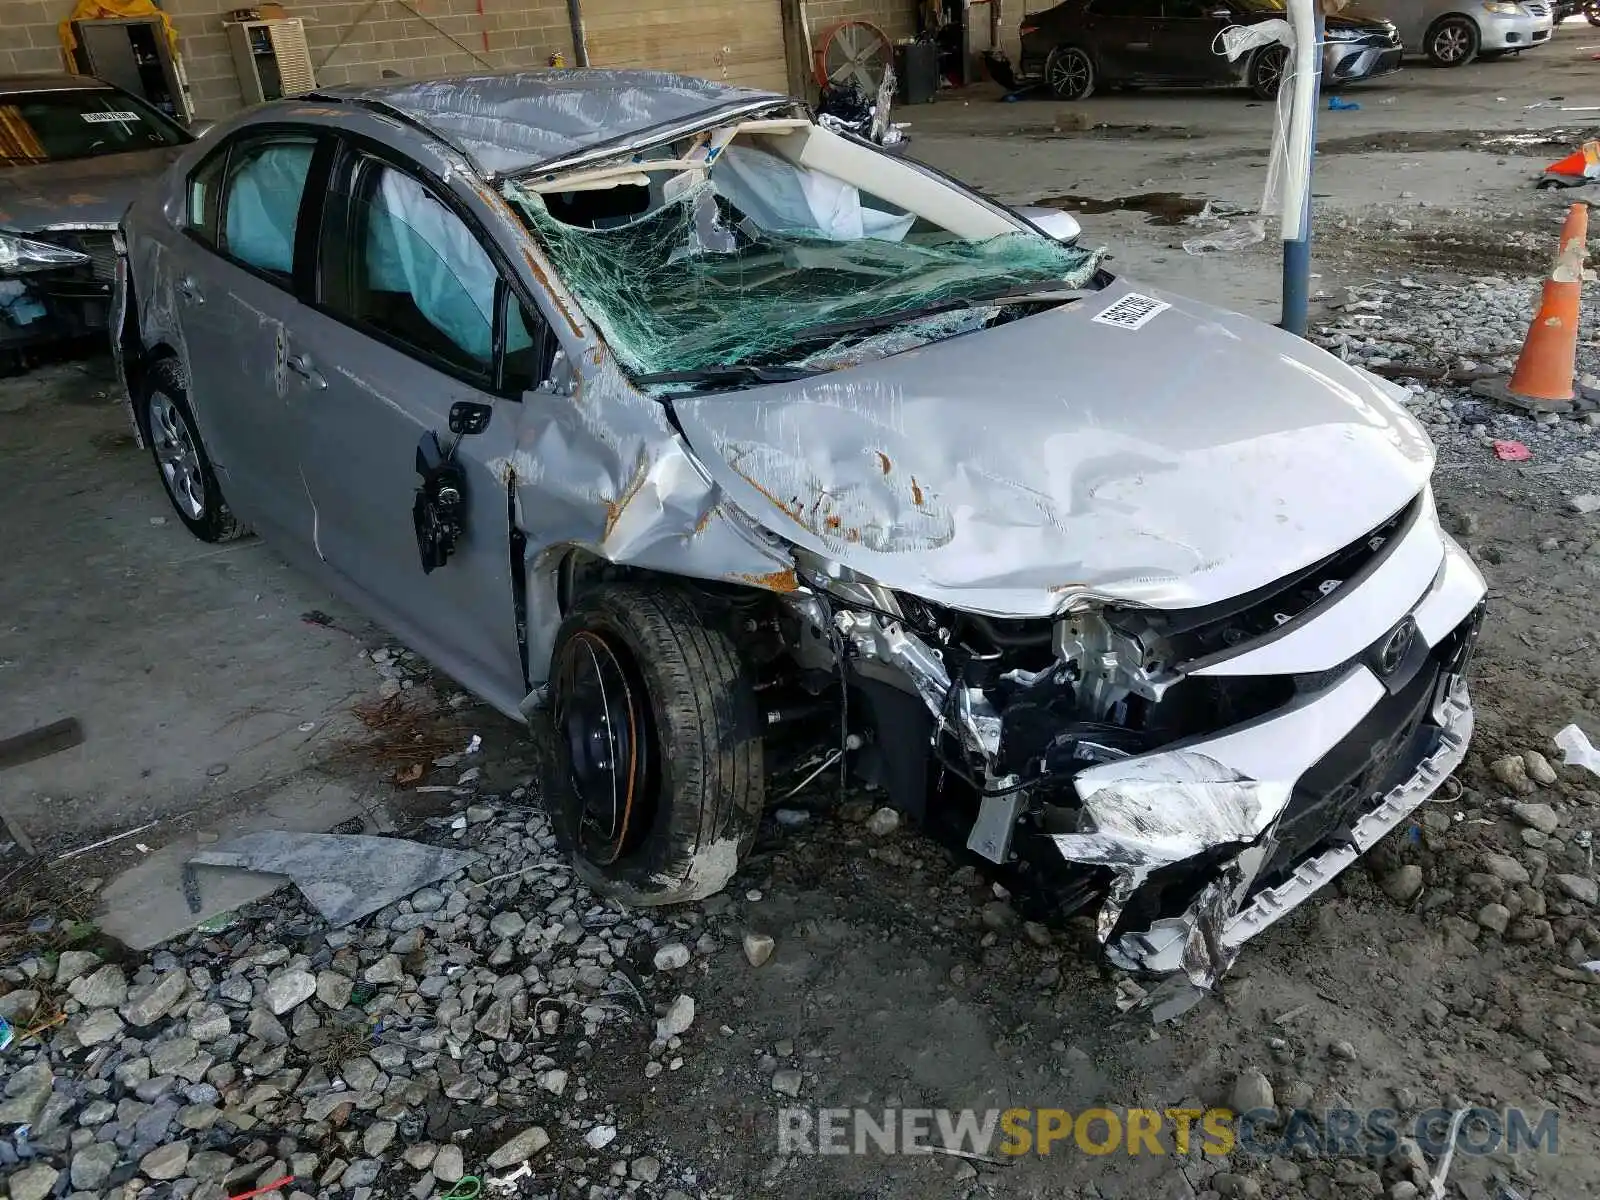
(781, 197)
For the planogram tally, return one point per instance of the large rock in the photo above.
(26, 1092)
(525, 1145)
(387, 969)
(758, 948)
(1504, 867)
(92, 1165)
(101, 1025)
(106, 988)
(1579, 887)
(1403, 884)
(1537, 816)
(1252, 1090)
(73, 964)
(33, 1182)
(18, 1006)
(449, 1164)
(167, 1057)
(287, 990)
(334, 989)
(166, 1162)
(154, 1000)
(678, 1019)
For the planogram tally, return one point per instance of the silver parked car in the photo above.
(742, 453)
(74, 152)
(1454, 32)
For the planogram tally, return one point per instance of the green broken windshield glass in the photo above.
(693, 283)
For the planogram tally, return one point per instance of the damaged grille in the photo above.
(96, 243)
(1203, 636)
(1374, 757)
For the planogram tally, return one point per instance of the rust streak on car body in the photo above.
(544, 282)
(773, 581)
(614, 508)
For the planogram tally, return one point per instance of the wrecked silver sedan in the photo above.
(744, 451)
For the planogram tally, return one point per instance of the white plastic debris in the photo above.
(474, 745)
(1576, 750)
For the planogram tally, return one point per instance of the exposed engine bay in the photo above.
(1088, 757)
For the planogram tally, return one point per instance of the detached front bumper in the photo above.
(1351, 62)
(1514, 33)
(1211, 843)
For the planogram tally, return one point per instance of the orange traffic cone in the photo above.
(1576, 168)
(1550, 351)
(1542, 381)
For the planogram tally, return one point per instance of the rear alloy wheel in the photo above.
(1070, 73)
(1453, 42)
(1266, 71)
(1591, 12)
(656, 785)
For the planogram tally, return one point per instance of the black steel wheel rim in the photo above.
(598, 716)
(1069, 73)
(1269, 69)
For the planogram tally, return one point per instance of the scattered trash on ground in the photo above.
(1509, 451)
(1576, 750)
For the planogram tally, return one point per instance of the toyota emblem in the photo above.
(1393, 651)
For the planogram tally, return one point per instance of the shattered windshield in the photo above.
(759, 261)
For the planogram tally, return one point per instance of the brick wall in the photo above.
(519, 33)
(897, 18)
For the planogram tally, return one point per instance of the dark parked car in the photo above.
(74, 152)
(1589, 9)
(1082, 44)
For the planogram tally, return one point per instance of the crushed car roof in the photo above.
(514, 121)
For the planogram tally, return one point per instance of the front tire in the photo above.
(1267, 70)
(1452, 42)
(1070, 73)
(656, 783)
(168, 426)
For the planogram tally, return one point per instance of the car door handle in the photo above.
(300, 364)
(190, 290)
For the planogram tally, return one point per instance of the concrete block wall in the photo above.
(423, 37)
(415, 39)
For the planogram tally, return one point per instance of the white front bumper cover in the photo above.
(1158, 810)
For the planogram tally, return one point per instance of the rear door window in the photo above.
(245, 202)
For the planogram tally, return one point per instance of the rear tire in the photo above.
(1591, 12)
(656, 783)
(1267, 70)
(168, 427)
(1452, 42)
(1070, 73)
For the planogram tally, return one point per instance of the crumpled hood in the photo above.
(1197, 457)
(94, 191)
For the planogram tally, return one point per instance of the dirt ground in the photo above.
(901, 979)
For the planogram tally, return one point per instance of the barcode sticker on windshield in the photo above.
(105, 118)
(1132, 311)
